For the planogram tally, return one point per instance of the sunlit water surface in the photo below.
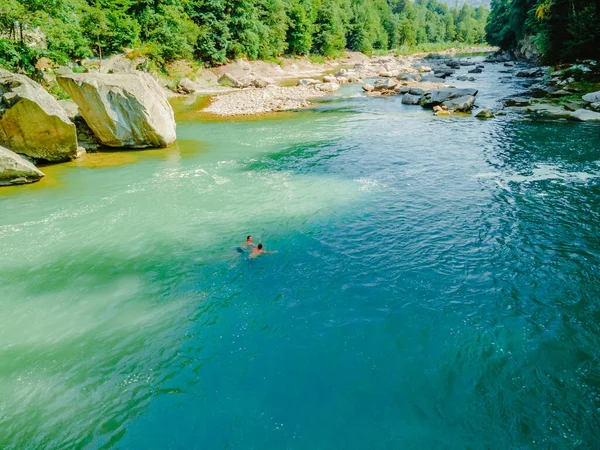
(435, 286)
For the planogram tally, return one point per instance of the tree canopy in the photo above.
(562, 30)
(213, 31)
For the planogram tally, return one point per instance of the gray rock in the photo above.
(445, 73)
(439, 96)
(327, 87)
(329, 79)
(548, 111)
(484, 114)
(402, 89)
(595, 106)
(517, 101)
(572, 106)
(475, 70)
(32, 122)
(460, 104)
(585, 115)
(229, 80)
(15, 169)
(187, 86)
(416, 91)
(592, 97)
(388, 83)
(409, 99)
(531, 73)
(368, 87)
(123, 110)
(509, 64)
(308, 82)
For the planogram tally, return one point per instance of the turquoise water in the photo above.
(435, 286)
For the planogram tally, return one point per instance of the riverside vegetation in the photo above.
(214, 31)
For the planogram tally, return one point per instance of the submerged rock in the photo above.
(124, 110)
(15, 169)
(32, 122)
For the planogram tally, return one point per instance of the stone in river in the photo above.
(385, 84)
(484, 114)
(476, 70)
(123, 110)
(409, 99)
(368, 87)
(548, 111)
(517, 101)
(15, 169)
(585, 115)
(32, 122)
(439, 96)
(531, 73)
(327, 87)
(592, 97)
(416, 91)
(460, 104)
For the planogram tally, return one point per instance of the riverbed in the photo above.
(435, 286)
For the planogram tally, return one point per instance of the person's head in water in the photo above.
(260, 246)
(249, 239)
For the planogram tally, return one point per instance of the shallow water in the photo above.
(435, 287)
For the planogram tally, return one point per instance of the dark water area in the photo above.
(435, 286)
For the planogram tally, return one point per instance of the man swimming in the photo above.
(256, 252)
(248, 243)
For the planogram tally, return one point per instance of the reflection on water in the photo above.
(435, 286)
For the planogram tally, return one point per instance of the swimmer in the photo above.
(256, 252)
(248, 243)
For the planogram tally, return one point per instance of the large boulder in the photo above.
(16, 170)
(439, 96)
(123, 110)
(460, 104)
(32, 122)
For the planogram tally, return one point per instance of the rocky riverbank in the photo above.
(128, 109)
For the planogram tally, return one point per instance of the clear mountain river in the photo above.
(435, 287)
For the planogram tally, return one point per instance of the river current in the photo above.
(435, 286)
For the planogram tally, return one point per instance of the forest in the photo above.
(561, 30)
(214, 31)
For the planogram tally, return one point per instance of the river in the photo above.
(435, 286)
